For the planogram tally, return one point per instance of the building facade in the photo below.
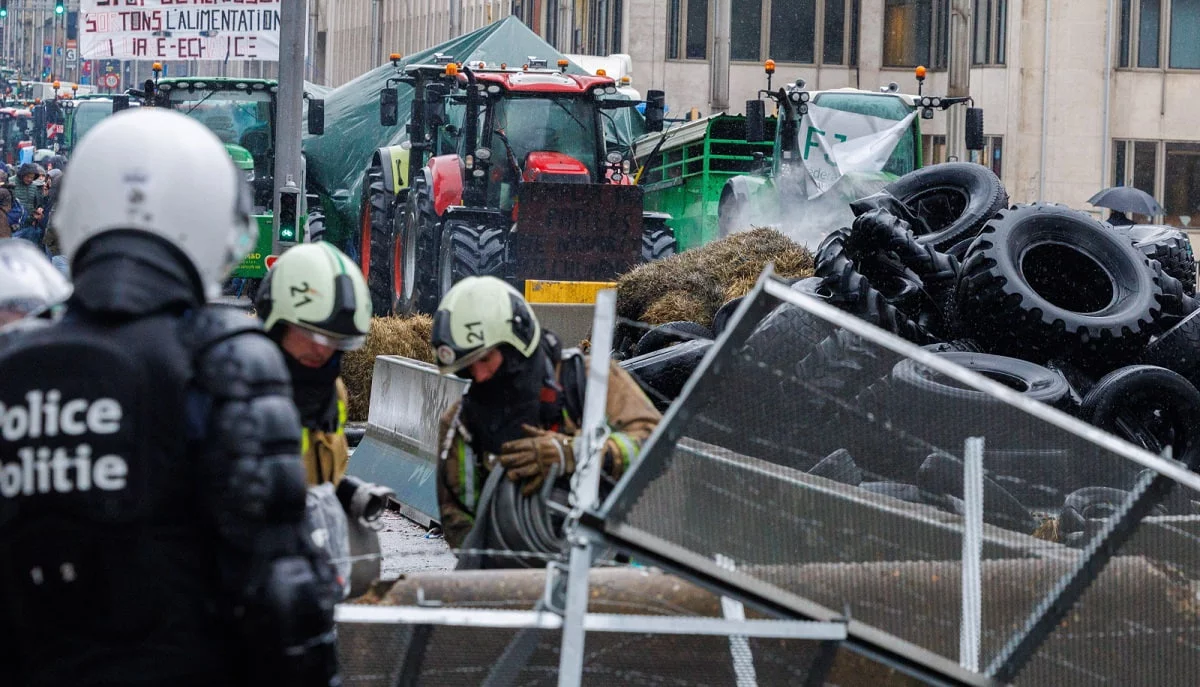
(1078, 94)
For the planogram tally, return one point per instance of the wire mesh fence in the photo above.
(824, 459)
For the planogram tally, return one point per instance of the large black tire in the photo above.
(316, 219)
(919, 411)
(469, 250)
(1170, 247)
(945, 412)
(854, 293)
(955, 199)
(414, 258)
(376, 239)
(731, 211)
(1148, 406)
(669, 334)
(662, 373)
(1043, 281)
(943, 474)
(724, 313)
(1178, 349)
(658, 239)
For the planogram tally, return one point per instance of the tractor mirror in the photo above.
(120, 102)
(435, 113)
(389, 107)
(656, 107)
(316, 116)
(974, 134)
(756, 121)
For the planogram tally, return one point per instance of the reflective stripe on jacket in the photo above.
(327, 454)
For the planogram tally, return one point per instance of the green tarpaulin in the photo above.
(338, 160)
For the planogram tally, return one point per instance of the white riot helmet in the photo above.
(29, 283)
(160, 172)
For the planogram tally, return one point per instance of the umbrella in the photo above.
(1127, 199)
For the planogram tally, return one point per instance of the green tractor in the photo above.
(798, 170)
(242, 113)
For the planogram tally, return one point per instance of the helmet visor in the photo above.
(324, 338)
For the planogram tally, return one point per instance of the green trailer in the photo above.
(796, 171)
(685, 169)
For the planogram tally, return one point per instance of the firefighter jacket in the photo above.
(465, 459)
(325, 450)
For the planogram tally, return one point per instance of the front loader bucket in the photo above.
(576, 232)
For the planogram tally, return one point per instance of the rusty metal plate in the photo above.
(577, 232)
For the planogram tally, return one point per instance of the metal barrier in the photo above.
(399, 449)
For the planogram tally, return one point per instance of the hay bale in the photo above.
(697, 282)
(406, 336)
(679, 306)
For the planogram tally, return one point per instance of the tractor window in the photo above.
(88, 115)
(236, 117)
(561, 125)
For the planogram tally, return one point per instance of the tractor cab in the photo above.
(16, 127)
(507, 173)
(509, 127)
(241, 112)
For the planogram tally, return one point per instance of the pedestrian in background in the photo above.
(28, 194)
(50, 241)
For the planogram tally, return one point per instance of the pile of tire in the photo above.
(1095, 320)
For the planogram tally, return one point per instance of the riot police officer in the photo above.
(30, 286)
(151, 492)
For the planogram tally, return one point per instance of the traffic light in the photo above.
(3, 9)
(58, 7)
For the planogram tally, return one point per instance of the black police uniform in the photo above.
(152, 497)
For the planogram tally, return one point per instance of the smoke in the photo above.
(805, 220)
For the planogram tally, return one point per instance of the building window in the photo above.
(687, 30)
(933, 149)
(1185, 26)
(747, 30)
(1181, 184)
(1158, 32)
(1135, 163)
(990, 17)
(915, 32)
(792, 30)
(992, 155)
(604, 27)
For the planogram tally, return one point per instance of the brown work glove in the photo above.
(530, 459)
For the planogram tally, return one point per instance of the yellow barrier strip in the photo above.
(568, 292)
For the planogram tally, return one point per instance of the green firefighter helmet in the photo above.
(317, 288)
(477, 315)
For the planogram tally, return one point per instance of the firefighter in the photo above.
(315, 304)
(152, 495)
(523, 409)
(30, 287)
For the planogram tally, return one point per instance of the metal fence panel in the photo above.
(824, 458)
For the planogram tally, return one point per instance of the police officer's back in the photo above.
(151, 493)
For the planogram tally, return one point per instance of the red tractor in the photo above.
(509, 173)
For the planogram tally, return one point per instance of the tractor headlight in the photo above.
(250, 176)
(614, 158)
(483, 154)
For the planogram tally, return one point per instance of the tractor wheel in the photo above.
(316, 219)
(658, 241)
(469, 250)
(375, 241)
(414, 272)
